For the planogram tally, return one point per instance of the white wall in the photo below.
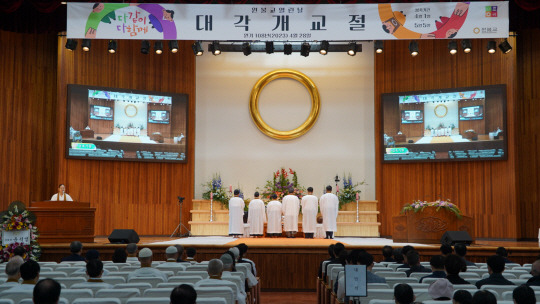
(452, 117)
(120, 117)
(341, 141)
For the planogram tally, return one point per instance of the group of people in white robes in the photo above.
(286, 211)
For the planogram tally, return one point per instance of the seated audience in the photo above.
(365, 258)
(13, 271)
(495, 265)
(19, 251)
(501, 251)
(461, 251)
(228, 263)
(30, 275)
(76, 252)
(190, 255)
(46, 291)
(462, 297)
(91, 254)
(441, 290)
(446, 249)
(242, 259)
(332, 257)
(524, 294)
(535, 272)
(180, 250)
(146, 270)
(215, 270)
(413, 259)
(171, 253)
(132, 250)
(338, 248)
(398, 256)
(404, 252)
(453, 265)
(387, 253)
(437, 268)
(183, 294)
(94, 271)
(484, 297)
(119, 256)
(403, 294)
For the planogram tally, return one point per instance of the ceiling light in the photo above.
(379, 46)
(173, 46)
(287, 49)
(246, 48)
(197, 48)
(505, 46)
(324, 47)
(269, 47)
(71, 44)
(158, 47)
(145, 47)
(304, 50)
(352, 49)
(491, 47)
(452, 47)
(413, 48)
(86, 44)
(112, 46)
(466, 45)
(215, 48)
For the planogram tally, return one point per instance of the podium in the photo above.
(64, 222)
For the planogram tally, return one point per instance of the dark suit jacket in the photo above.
(418, 268)
(534, 281)
(455, 279)
(494, 279)
(436, 274)
(73, 258)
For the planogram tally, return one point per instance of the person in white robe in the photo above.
(290, 209)
(310, 208)
(329, 203)
(256, 216)
(61, 195)
(236, 215)
(273, 211)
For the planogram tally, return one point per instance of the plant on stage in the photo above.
(282, 180)
(17, 218)
(348, 193)
(419, 206)
(220, 194)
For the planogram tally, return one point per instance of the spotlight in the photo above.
(246, 48)
(158, 47)
(304, 50)
(269, 47)
(379, 46)
(112, 46)
(452, 47)
(466, 45)
(197, 48)
(324, 47)
(352, 49)
(491, 47)
(145, 47)
(413, 48)
(505, 46)
(173, 46)
(71, 44)
(287, 49)
(86, 44)
(215, 48)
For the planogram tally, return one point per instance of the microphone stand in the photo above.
(180, 225)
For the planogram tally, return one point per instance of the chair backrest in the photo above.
(31, 301)
(140, 286)
(202, 274)
(157, 292)
(173, 285)
(152, 280)
(160, 300)
(9, 301)
(185, 279)
(518, 282)
(72, 294)
(52, 274)
(123, 274)
(393, 280)
(334, 273)
(394, 274)
(16, 296)
(69, 281)
(237, 281)
(437, 302)
(94, 286)
(244, 268)
(525, 276)
(394, 266)
(113, 279)
(377, 285)
(216, 292)
(197, 267)
(467, 275)
(415, 285)
(97, 301)
(211, 301)
(121, 293)
(111, 267)
(499, 289)
(375, 301)
(175, 267)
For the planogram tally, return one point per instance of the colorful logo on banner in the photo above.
(491, 11)
(137, 23)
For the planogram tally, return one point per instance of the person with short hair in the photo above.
(256, 216)
(183, 294)
(180, 250)
(94, 271)
(437, 268)
(398, 256)
(19, 251)
(461, 251)
(446, 249)
(273, 214)
(501, 251)
(495, 265)
(30, 275)
(146, 270)
(413, 258)
(388, 253)
(76, 252)
(215, 271)
(329, 204)
(46, 291)
(119, 256)
(132, 251)
(365, 258)
(236, 215)
(190, 255)
(453, 265)
(310, 208)
(13, 271)
(290, 208)
(524, 294)
(228, 267)
(404, 294)
(462, 296)
(404, 252)
(331, 259)
(484, 297)
(535, 272)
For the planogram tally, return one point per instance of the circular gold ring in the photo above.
(129, 112)
(305, 126)
(440, 115)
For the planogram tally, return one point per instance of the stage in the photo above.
(291, 264)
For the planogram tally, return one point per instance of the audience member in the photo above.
(332, 258)
(524, 294)
(453, 265)
(46, 291)
(19, 251)
(413, 259)
(403, 294)
(91, 254)
(495, 265)
(171, 253)
(404, 252)
(398, 256)
(119, 255)
(215, 270)
(13, 271)
(461, 251)
(76, 250)
(190, 255)
(30, 275)
(183, 294)
(446, 249)
(387, 253)
(437, 268)
(365, 258)
(338, 248)
(228, 263)
(484, 297)
(146, 270)
(243, 248)
(132, 251)
(441, 290)
(462, 296)
(501, 251)
(180, 250)
(535, 272)
(94, 271)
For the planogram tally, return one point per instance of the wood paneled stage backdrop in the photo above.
(502, 196)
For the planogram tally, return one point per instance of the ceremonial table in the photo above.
(64, 221)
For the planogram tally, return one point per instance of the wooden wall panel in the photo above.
(485, 190)
(141, 196)
(27, 117)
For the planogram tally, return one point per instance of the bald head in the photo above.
(215, 267)
(535, 269)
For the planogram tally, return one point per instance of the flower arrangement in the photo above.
(348, 193)
(280, 183)
(219, 193)
(18, 218)
(419, 206)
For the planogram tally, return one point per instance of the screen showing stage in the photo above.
(124, 124)
(444, 125)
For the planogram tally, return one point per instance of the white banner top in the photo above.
(288, 22)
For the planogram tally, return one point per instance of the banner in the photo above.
(295, 22)
(16, 236)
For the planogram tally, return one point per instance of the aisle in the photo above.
(289, 297)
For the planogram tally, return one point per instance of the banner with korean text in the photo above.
(293, 22)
